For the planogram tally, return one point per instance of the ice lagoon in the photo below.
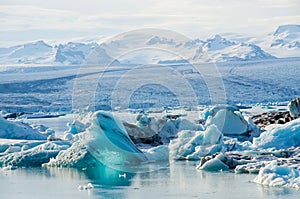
(179, 180)
(168, 180)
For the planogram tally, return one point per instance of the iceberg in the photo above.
(280, 136)
(279, 176)
(109, 142)
(192, 145)
(214, 164)
(145, 130)
(294, 107)
(32, 157)
(19, 130)
(223, 127)
(105, 142)
(158, 131)
(231, 122)
(77, 156)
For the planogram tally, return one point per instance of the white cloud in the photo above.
(192, 17)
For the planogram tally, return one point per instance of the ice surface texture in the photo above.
(281, 176)
(19, 130)
(280, 136)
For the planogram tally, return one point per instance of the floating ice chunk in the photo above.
(214, 164)
(280, 136)
(136, 131)
(228, 122)
(35, 156)
(109, 142)
(294, 107)
(195, 144)
(158, 153)
(105, 142)
(19, 130)
(282, 176)
(231, 122)
(86, 187)
(122, 175)
(165, 128)
(172, 127)
(213, 111)
(252, 167)
(75, 156)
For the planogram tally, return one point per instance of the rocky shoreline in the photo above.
(275, 117)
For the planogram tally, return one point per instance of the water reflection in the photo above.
(106, 176)
(178, 180)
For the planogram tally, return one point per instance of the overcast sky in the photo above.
(25, 20)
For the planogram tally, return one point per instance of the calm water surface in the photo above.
(179, 180)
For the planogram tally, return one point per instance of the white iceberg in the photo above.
(76, 156)
(281, 176)
(173, 126)
(192, 145)
(159, 153)
(279, 136)
(31, 157)
(232, 123)
(19, 130)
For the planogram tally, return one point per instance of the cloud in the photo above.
(192, 17)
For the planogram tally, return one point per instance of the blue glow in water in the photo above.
(179, 180)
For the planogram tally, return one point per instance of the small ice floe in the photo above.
(9, 168)
(214, 164)
(278, 176)
(122, 175)
(88, 186)
(294, 107)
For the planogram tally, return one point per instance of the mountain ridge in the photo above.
(283, 42)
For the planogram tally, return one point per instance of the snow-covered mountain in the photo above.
(160, 49)
(39, 52)
(155, 47)
(74, 53)
(284, 42)
(31, 53)
(219, 49)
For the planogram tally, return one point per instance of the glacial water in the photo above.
(178, 180)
